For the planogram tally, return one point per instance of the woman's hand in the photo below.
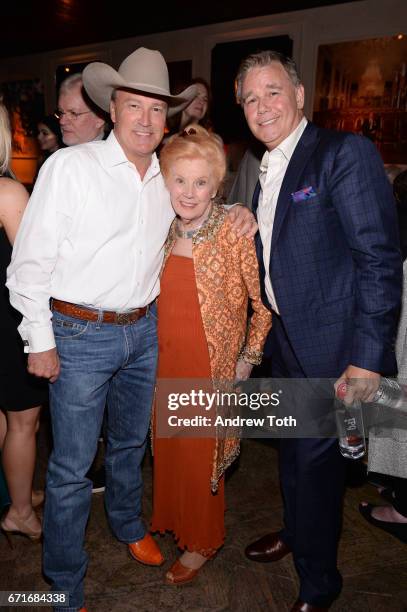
(243, 370)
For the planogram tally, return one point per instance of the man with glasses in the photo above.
(79, 120)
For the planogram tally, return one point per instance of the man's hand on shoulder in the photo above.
(361, 384)
(45, 364)
(243, 221)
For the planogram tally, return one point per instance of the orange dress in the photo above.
(183, 502)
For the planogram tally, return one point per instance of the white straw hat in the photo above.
(143, 70)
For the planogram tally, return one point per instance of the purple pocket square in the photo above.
(303, 194)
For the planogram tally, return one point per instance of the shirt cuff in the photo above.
(37, 339)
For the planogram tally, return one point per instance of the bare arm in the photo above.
(13, 200)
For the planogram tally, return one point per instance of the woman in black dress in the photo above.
(20, 394)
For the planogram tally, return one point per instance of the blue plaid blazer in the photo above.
(335, 263)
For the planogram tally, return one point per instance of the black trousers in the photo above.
(312, 475)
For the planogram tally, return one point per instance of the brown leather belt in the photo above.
(89, 314)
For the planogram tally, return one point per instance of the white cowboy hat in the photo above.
(143, 70)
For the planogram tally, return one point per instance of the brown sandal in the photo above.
(179, 574)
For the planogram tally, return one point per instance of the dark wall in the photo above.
(228, 116)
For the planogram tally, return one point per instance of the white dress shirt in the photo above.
(272, 170)
(93, 234)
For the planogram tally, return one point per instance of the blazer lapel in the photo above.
(257, 239)
(255, 199)
(298, 161)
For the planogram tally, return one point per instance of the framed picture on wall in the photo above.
(361, 86)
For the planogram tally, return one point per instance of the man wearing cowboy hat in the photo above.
(92, 240)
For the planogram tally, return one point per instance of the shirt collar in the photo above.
(286, 147)
(115, 156)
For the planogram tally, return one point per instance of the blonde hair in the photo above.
(195, 143)
(5, 140)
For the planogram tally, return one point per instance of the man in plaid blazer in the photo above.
(331, 273)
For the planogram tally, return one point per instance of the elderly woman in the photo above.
(208, 275)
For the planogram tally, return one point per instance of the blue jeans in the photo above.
(101, 365)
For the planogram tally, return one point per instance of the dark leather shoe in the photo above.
(269, 548)
(301, 606)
